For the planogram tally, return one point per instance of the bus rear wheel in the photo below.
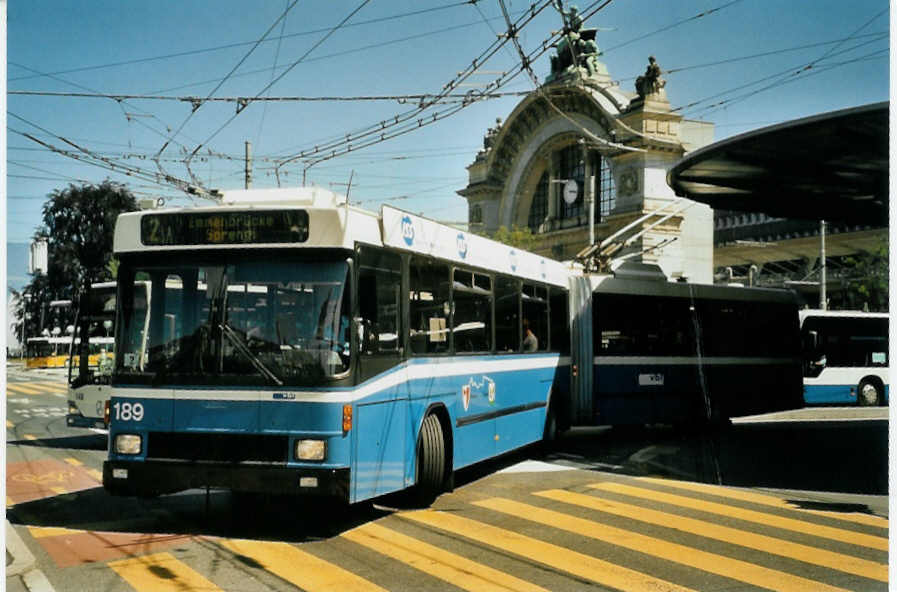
(868, 394)
(430, 461)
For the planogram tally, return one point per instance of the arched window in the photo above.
(538, 211)
(476, 214)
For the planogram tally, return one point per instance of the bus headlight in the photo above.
(311, 449)
(128, 444)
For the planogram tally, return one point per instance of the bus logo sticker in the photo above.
(472, 385)
(512, 259)
(650, 379)
(285, 396)
(462, 245)
(407, 230)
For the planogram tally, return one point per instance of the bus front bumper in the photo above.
(73, 420)
(150, 478)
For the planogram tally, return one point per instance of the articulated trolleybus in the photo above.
(313, 347)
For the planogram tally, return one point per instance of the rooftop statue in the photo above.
(576, 49)
(650, 82)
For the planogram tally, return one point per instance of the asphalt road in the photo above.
(796, 501)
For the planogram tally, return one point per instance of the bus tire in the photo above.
(868, 393)
(430, 461)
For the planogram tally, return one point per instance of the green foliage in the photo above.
(521, 238)
(78, 224)
(867, 280)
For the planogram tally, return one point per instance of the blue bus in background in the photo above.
(846, 357)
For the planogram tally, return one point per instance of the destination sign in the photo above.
(224, 228)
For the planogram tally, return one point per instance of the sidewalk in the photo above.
(22, 574)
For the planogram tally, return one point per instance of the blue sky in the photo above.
(744, 64)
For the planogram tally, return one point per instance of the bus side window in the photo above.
(429, 306)
(379, 306)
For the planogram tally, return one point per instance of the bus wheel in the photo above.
(867, 393)
(430, 461)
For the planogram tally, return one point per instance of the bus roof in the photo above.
(856, 314)
(331, 223)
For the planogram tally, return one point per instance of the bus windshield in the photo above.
(237, 319)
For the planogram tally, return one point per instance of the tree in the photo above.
(867, 280)
(522, 238)
(78, 225)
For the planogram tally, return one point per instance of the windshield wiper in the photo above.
(235, 339)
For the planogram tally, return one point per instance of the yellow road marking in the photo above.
(721, 565)
(9, 502)
(59, 490)
(300, 568)
(40, 532)
(23, 389)
(10, 424)
(49, 387)
(161, 572)
(29, 437)
(734, 536)
(454, 569)
(578, 564)
(772, 520)
(95, 474)
(767, 500)
(74, 462)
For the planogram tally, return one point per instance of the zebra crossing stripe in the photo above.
(584, 566)
(721, 565)
(24, 389)
(766, 519)
(161, 572)
(300, 568)
(766, 500)
(449, 567)
(726, 534)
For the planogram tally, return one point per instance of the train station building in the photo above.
(581, 141)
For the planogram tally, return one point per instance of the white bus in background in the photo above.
(846, 357)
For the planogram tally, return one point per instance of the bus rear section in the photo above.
(675, 353)
(846, 357)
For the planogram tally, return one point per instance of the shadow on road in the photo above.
(292, 519)
(830, 456)
(84, 442)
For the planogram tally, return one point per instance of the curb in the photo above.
(22, 559)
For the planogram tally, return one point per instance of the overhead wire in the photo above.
(241, 44)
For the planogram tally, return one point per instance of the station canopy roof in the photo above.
(832, 167)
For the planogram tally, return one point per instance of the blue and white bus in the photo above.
(291, 343)
(317, 348)
(846, 357)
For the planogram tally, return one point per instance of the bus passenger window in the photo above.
(429, 306)
(472, 319)
(379, 285)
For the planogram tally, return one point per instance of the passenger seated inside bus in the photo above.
(530, 341)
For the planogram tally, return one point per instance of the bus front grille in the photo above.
(233, 448)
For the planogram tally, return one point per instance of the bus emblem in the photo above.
(407, 230)
(465, 396)
(462, 245)
(285, 396)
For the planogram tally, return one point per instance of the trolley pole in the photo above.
(822, 297)
(247, 173)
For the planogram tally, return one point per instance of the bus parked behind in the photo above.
(846, 357)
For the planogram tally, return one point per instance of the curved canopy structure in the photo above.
(832, 166)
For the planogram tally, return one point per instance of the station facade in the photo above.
(581, 138)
